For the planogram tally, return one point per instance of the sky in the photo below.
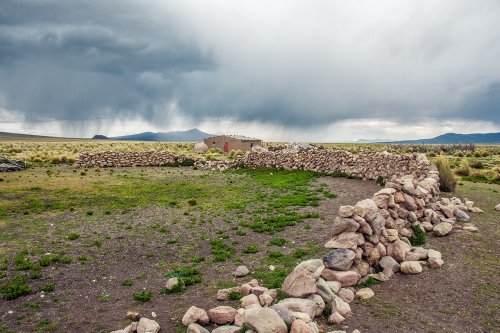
(280, 70)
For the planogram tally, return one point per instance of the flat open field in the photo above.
(89, 245)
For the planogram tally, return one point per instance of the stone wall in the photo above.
(367, 164)
(127, 159)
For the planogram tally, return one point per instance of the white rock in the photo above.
(411, 267)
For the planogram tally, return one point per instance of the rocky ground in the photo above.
(89, 295)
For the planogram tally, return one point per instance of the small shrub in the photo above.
(48, 288)
(66, 260)
(97, 243)
(179, 287)
(277, 241)
(299, 253)
(127, 283)
(446, 178)
(192, 202)
(380, 180)
(235, 296)
(240, 232)
(419, 237)
(35, 275)
(73, 236)
(144, 296)
(14, 288)
(188, 275)
(198, 259)
(251, 249)
(275, 254)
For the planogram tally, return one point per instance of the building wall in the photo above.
(234, 144)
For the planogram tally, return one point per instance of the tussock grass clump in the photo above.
(464, 169)
(447, 180)
(144, 296)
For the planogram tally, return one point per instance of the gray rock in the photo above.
(462, 216)
(339, 259)
(284, 313)
(241, 271)
(324, 290)
(299, 305)
(195, 328)
(227, 329)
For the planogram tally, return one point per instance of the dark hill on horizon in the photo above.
(174, 136)
(452, 138)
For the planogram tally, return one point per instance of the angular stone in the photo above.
(435, 262)
(320, 303)
(341, 225)
(434, 254)
(389, 263)
(442, 229)
(399, 249)
(364, 293)
(133, 315)
(245, 289)
(462, 216)
(334, 286)
(339, 259)
(366, 209)
(346, 211)
(227, 329)
(146, 325)
(324, 290)
(284, 313)
(265, 320)
(335, 318)
(345, 240)
(346, 294)
(265, 299)
(346, 279)
(392, 235)
(299, 283)
(300, 326)
(195, 315)
(222, 314)
(411, 267)
(341, 306)
(315, 266)
(248, 300)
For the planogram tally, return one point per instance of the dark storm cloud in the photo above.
(286, 62)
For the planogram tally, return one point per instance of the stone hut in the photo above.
(226, 143)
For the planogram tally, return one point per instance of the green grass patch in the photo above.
(143, 296)
(251, 249)
(14, 288)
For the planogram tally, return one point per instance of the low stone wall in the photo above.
(127, 159)
(368, 164)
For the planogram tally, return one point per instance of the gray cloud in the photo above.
(286, 63)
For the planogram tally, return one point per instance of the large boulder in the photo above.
(346, 279)
(146, 325)
(399, 249)
(339, 259)
(195, 315)
(366, 209)
(195, 328)
(265, 320)
(299, 305)
(284, 313)
(299, 283)
(442, 229)
(315, 266)
(411, 267)
(345, 240)
(222, 315)
(341, 224)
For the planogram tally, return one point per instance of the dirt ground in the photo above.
(89, 297)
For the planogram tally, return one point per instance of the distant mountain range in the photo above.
(451, 138)
(176, 136)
